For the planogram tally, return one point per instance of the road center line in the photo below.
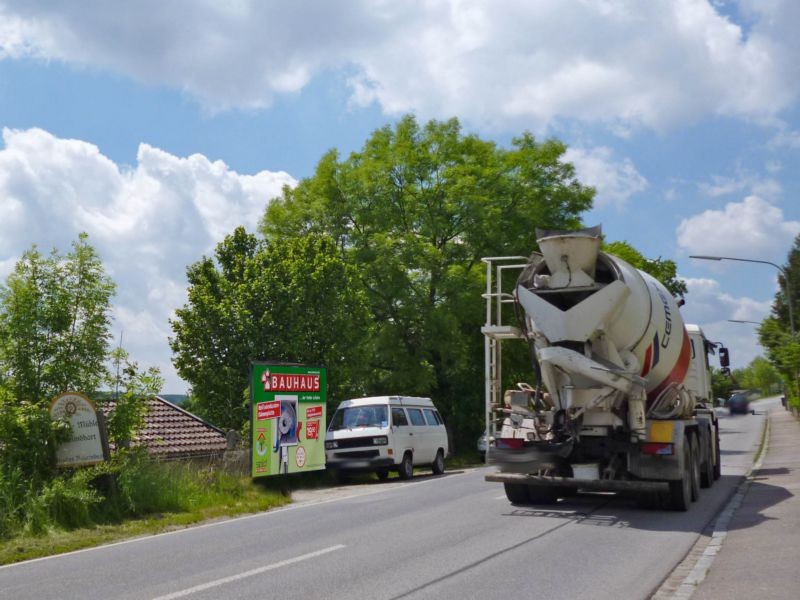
(245, 574)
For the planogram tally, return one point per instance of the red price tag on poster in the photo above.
(268, 410)
(314, 412)
(312, 430)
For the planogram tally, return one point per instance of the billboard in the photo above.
(287, 418)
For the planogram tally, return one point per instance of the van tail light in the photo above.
(510, 443)
(658, 449)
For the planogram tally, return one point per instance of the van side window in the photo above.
(416, 417)
(430, 417)
(398, 417)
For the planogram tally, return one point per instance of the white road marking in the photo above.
(245, 574)
(503, 497)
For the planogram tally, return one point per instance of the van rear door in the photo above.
(402, 438)
(438, 432)
(424, 452)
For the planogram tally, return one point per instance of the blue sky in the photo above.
(158, 127)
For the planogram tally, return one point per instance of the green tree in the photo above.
(414, 211)
(666, 271)
(54, 323)
(294, 300)
(758, 375)
(132, 389)
(721, 384)
(775, 335)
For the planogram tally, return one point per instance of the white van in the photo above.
(386, 433)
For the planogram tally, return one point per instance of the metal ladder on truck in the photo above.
(494, 333)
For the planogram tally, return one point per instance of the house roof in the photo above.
(172, 432)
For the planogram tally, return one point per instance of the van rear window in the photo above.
(416, 417)
(430, 417)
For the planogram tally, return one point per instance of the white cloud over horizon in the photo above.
(624, 64)
(615, 180)
(752, 224)
(709, 306)
(148, 222)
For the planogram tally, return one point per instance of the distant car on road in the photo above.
(482, 445)
(739, 402)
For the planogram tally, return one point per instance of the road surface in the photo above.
(454, 536)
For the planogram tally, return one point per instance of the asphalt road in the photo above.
(453, 536)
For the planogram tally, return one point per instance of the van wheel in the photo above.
(406, 469)
(438, 464)
(383, 474)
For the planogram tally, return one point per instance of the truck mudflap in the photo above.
(594, 485)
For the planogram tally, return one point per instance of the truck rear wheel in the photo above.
(648, 500)
(680, 491)
(695, 467)
(707, 466)
(517, 493)
(543, 495)
(717, 455)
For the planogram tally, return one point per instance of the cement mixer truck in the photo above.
(621, 399)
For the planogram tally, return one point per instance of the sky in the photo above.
(158, 127)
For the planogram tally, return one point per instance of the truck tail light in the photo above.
(510, 443)
(658, 448)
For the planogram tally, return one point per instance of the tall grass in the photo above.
(130, 486)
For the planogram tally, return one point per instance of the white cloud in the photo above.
(767, 188)
(786, 138)
(707, 302)
(615, 181)
(148, 222)
(708, 306)
(752, 228)
(511, 62)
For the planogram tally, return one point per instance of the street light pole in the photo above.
(787, 286)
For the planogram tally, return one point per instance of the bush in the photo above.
(11, 495)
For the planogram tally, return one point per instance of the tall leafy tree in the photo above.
(758, 375)
(54, 334)
(783, 347)
(54, 323)
(293, 300)
(665, 270)
(414, 211)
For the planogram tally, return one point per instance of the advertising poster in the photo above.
(287, 418)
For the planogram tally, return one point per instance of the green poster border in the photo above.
(277, 363)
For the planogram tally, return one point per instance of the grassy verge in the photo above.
(161, 498)
(251, 499)
(127, 497)
(56, 541)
